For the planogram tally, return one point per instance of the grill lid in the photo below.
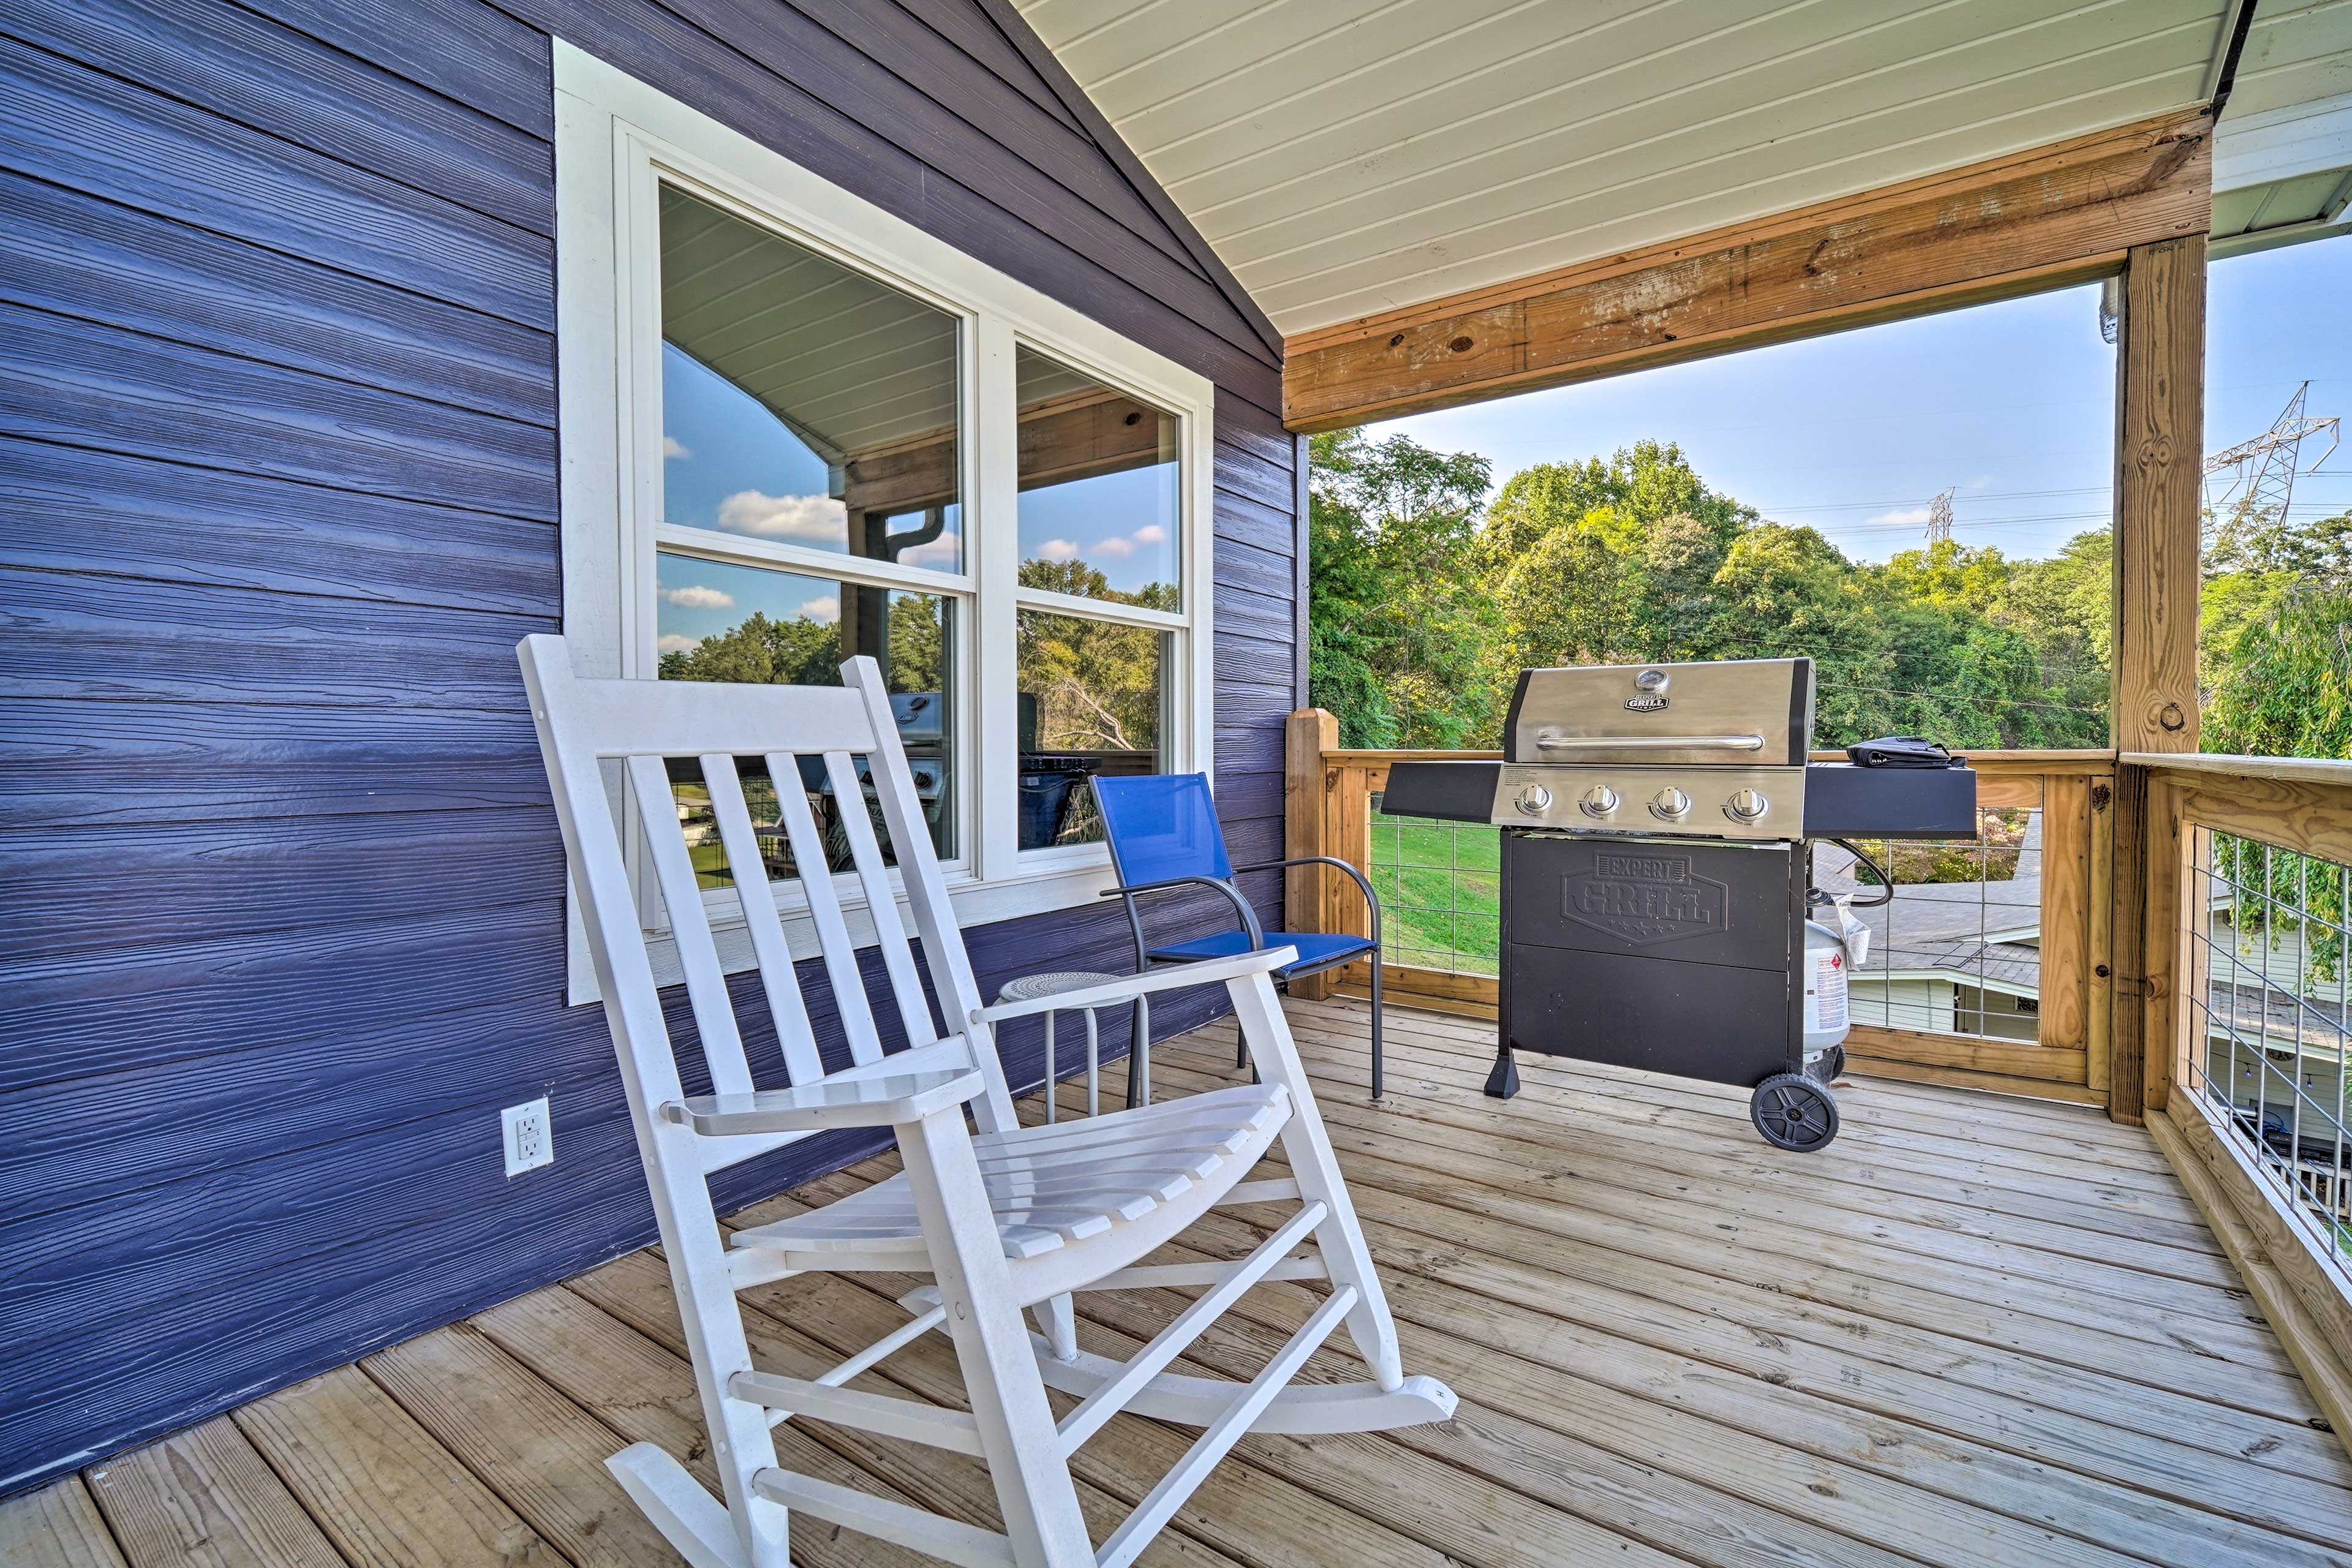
(1746, 712)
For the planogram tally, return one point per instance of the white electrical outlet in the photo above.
(530, 1136)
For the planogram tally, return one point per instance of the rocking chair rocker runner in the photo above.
(1005, 1220)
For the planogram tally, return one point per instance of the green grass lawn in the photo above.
(1440, 885)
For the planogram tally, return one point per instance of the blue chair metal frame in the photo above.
(1164, 836)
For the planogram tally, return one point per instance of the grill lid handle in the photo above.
(1557, 742)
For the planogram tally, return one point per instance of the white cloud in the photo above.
(670, 642)
(1910, 514)
(820, 518)
(1116, 549)
(1150, 533)
(1058, 550)
(826, 609)
(939, 554)
(674, 447)
(695, 596)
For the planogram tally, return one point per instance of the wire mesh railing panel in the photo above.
(1957, 949)
(1440, 885)
(2267, 993)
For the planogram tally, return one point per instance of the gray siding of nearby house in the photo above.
(278, 496)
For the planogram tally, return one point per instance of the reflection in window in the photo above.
(728, 623)
(1099, 492)
(802, 404)
(1093, 699)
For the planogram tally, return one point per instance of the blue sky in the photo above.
(2014, 404)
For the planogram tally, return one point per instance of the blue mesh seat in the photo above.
(1165, 838)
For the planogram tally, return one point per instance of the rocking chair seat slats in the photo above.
(1004, 1220)
(1050, 1189)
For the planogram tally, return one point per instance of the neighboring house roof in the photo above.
(1345, 157)
(1949, 927)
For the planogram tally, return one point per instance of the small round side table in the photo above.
(1053, 983)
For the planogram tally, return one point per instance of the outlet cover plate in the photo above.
(528, 1136)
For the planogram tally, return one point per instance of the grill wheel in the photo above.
(1793, 1113)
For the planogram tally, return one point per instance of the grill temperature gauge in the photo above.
(1598, 801)
(1535, 800)
(1746, 805)
(1670, 804)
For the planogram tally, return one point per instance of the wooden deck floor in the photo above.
(1974, 1331)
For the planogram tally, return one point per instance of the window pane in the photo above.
(719, 622)
(1098, 489)
(801, 402)
(1093, 701)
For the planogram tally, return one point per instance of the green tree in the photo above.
(1093, 685)
(1398, 621)
(799, 652)
(1423, 611)
(2280, 665)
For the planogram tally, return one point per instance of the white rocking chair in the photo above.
(1007, 1219)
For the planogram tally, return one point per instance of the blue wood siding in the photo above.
(278, 496)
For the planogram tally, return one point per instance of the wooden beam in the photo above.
(1097, 431)
(1308, 735)
(2153, 699)
(2128, 894)
(2160, 447)
(2033, 220)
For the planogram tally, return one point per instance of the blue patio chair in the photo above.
(1163, 836)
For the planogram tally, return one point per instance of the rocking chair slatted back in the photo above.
(1009, 1220)
(786, 1008)
(640, 725)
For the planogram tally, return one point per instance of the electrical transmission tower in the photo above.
(2262, 471)
(1939, 516)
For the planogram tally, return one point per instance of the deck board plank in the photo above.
(1673, 1347)
(540, 1453)
(57, 1526)
(205, 1498)
(2237, 1362)
(379, 1484)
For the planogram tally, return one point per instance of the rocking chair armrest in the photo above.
(829, 1104)
(1127, 987)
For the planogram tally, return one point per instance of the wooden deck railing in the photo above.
(2193, 917)
(2248, 866)
(2059, 1049)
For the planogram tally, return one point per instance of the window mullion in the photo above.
(991, 534)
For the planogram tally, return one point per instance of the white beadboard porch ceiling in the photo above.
(1351, 156)
(2283, 162)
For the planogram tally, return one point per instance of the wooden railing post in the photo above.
(2160, 434)
(1308, 733)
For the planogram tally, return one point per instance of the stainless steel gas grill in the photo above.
(1654, 887)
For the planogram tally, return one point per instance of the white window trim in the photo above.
(611, 133)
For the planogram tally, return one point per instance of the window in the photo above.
(797, 429)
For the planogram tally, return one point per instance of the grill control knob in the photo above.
(1535, 800)
(1746, 805)
(1598, 801)
(1670, 804)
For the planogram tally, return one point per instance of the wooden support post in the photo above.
(2159, 432)
(1308, 733)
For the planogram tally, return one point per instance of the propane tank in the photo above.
(1826, 1020)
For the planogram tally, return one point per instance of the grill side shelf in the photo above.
(1449, 791)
